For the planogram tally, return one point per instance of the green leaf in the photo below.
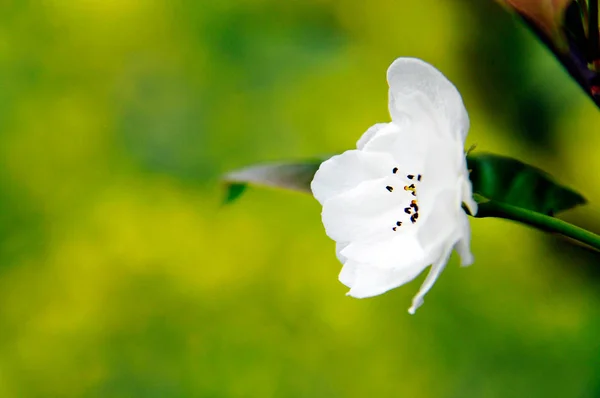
(502, 179)
(233, 191)
(295, 176)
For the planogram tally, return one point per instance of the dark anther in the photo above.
(389, 188)
(395, 170)
(394, 228)
(413, 219)
(407, 210)
(414, 193)
(410, 176)
(412, 186)
(419, 177)
(416, 215)
(398, 223)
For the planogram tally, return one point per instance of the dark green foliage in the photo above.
(234, 191)
(507, 180)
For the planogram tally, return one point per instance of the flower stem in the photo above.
(540, 221)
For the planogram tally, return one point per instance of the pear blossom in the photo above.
(394, 204)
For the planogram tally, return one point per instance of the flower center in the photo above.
(412, 209)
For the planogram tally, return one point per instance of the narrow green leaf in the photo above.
(295, 176)
(233, 191)
(502, 179)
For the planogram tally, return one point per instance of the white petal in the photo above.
(441, 171)
(440, 222)
(346, 171)
(371, 281)
(463, 246)
(399, 251)
(415, 84)
(434, 273)
(348, 273)
(371, 133)
(407, 143)
(367, 211)
(467, 194)
(339, 246)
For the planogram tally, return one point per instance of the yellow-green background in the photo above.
(122, 276)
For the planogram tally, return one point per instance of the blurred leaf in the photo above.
(546, 14)
(502, 179)
(295, 176)
(234, 191)
(570, 29)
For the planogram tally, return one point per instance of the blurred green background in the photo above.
(122, 276)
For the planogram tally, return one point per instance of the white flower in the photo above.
(394, 204)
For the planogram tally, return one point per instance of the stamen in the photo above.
(414, 205)
(411, 188)
(389, 188)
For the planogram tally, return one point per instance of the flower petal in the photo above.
(406, 142)
(399, 251)
(339, 246)
(467, 194)
(346, 171)
(417, 85)
(369, 210)
(440, 221)
(372, 281)
(348, 273)
(441, 170)
(434, 273)
(372, 132)
(463, 246)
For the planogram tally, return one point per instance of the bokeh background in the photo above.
(121, 275)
